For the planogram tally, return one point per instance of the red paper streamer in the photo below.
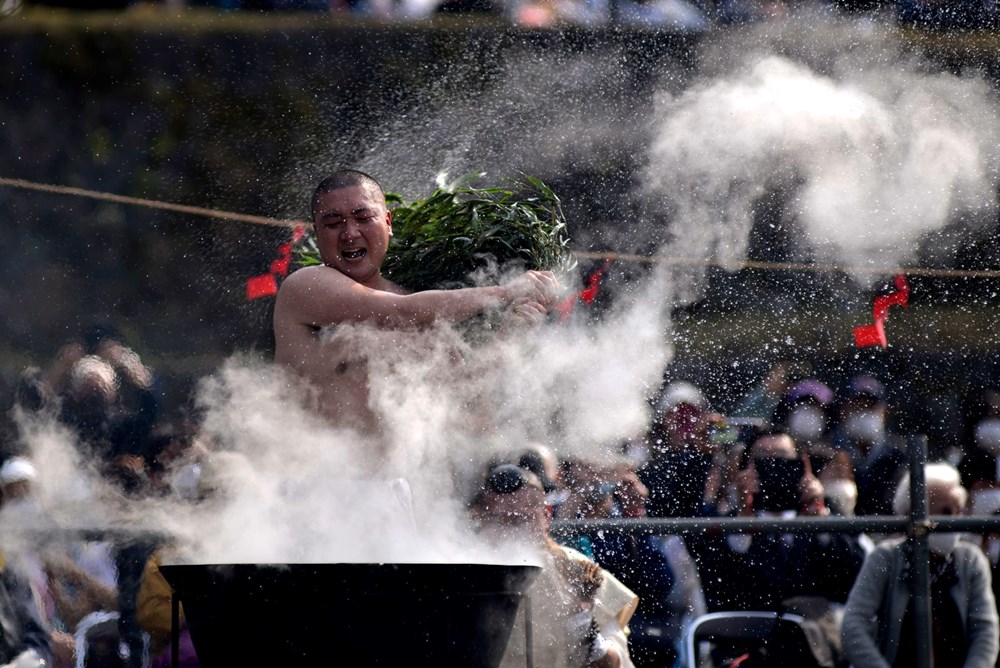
(874, 334)
(266, 285)
(587, 295)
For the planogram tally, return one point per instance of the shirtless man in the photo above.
(353, 227)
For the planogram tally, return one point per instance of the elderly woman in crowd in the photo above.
(878, 628)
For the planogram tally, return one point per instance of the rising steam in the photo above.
(873, 150)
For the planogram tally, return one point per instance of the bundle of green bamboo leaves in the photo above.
(462, 230)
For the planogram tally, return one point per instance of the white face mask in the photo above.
(806, 423)
(987, 435)
(867, 426)
(943, 543)
(842, 495)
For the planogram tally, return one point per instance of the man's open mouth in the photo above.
(354, 254)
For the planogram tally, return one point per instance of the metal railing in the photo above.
(917, 526)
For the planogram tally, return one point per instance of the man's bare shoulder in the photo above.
(307, 292)
(307, 278)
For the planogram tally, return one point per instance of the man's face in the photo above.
(686, 426)
(353, 228)
(520, 511)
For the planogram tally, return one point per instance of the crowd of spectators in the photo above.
(89, 599)
(794, 445)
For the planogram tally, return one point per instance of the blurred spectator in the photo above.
(108, 396)
(761, 571)
(542, 461)
(803, 413)
(74, 583)
(681, 454)
(17, 476)
(657, 568)
(965, 627)
(676, 15)
(24, 638)
(588, 497)
(579, 611)
(154, 613)
(764, 397)
(879, 457)
(978, 464)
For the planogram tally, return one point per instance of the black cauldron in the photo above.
(350, 614)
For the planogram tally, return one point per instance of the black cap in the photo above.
(506, 479)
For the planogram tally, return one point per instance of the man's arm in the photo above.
(321, 296)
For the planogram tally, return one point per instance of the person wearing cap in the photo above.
(879, 457)
(681, 454)
(25, 641)
(579, 612)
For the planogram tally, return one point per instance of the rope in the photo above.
(149, 203)
(601, 255)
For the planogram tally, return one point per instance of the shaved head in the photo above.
(345, 178)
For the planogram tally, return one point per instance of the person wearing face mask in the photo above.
(804, 414)
(879, 458)
(759, 571)
(965, 624)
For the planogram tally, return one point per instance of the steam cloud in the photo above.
(877, 150)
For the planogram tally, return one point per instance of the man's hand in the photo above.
(538, 286)
(811, 492)
(522, 313)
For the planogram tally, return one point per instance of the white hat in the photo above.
(680, 392)
(17, 469)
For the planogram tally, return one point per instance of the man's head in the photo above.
(93, 384)
(352, 224)
(683, 418)
(513, 499)
(778, 474)
(945, 493)
(863, 413)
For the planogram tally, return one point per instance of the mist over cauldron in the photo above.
(355, 614)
